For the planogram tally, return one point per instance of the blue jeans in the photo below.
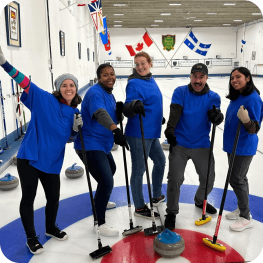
(155, 152)
(102, 168)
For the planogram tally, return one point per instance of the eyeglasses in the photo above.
(136, 65)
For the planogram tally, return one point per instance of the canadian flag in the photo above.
(142, 45)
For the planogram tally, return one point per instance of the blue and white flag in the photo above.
(96, 15)
(243, 41)
(104, 33)
(198, 47)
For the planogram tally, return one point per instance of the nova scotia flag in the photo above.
(192, 42)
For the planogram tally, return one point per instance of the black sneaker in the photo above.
(34, 245)
(145, 212)
(57, 234)
(157, 201)
(170, 221)
(209, 208)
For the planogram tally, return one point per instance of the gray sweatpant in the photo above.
(239, 182)
(177, 163)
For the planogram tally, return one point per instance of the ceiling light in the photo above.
(158, 20)
(211, 13)
(229, 4)
(117, 25)
(198, 20)
(226, 24)
(118, 14)
(256, 14)
(238, 20)
(119, 4)
(165, 14)
(117, 21)
(154, 25)
(174, 4)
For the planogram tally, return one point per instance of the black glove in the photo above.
(119, 138)
(171, 139)
(215, 116)
(138, 108)
(119, 109)
(163, 121)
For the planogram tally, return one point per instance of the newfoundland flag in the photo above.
(198, 47)
(142, 45)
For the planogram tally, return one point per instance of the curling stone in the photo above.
(15, 159)
(168, 244)
(74, 171)
(114, 147)
(8, 182)
(165, 145)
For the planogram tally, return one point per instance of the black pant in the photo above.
(29, 176)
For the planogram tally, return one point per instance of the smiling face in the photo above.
(198, 81)
(107, 77)
(239, 81)
(142, 66)
(68, 90)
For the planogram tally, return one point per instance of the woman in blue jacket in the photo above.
(40, 157)
(99, 133)
(143, 96)
(245, 105)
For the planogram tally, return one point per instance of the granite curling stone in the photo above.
(74, 171)
(168, 244)
(165, 145)
(8, 182)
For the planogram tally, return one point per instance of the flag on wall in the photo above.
(96, 15)
(107, 45)
(142, 45)
(84, 2)
(198, 47)
(104, 33)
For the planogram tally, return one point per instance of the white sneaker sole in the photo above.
(60, 239)
(243, 228)
(150, 218)
(39, 251)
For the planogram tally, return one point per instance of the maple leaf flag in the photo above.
(142, 45)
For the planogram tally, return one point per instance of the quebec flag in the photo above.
(198, 47)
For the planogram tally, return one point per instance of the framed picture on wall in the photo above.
(62, 42)
(79, 49)
(88, 53)
(13, 26)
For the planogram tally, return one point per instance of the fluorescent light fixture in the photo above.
(119, 4)
(118, 14)
(174, 4)
(226, 24)
(197, 20)
(211, 13)
(229, 4)
(165, 14)
(158, 21)
(256, 14)
(117, 21)
(154, 25)
(117, 25)
(237, 20)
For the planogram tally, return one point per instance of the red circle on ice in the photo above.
(138, 248)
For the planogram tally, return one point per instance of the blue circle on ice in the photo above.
(169, 237)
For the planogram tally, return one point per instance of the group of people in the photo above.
(193, 108)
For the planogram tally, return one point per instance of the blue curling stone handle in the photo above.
(169, 237)
(74, 167)
(8, 177)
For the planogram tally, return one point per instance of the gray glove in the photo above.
(2, 58)
(77, 121)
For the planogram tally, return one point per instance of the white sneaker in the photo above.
(106, 231)
(233, 215)
(241, 224)
(111, 205)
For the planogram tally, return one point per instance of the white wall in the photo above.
(223, 42)
(32, 58)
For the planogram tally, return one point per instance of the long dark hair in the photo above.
(74, 103)
(234, 94)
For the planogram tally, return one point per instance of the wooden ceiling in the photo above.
(142, 14)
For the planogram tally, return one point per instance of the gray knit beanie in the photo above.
(61, 78)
